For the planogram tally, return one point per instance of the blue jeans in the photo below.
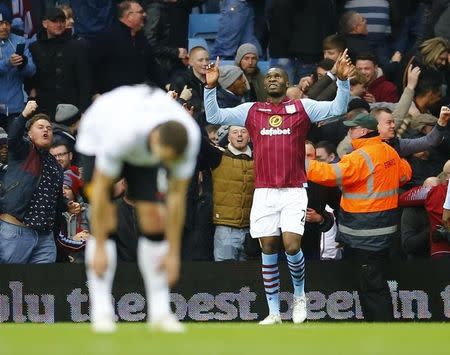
(23, 245)
(229, 243)
(294, 68)
(236, 27)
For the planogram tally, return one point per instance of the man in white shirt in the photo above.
(131, 132)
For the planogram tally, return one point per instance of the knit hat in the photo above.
(422, 120)
(54, 14)
(358, 103)
(67, 114)
(228, 75)
(3, 136)
(5, 13)
(244, 49)
(363, 120)
(73, 181)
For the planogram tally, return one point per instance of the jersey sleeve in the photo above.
(224, 116)
(321, 110)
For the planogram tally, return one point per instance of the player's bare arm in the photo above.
(103, 218)
(176, 201)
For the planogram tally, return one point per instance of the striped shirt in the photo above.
(377, 15)
(278, 132)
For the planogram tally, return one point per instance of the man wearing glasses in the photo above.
(63, 154)
(122, 55)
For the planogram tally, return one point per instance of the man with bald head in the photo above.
(278, 129)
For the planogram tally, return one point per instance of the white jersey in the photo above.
(115, 130)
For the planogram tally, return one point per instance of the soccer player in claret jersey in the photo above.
(130, 132)
(278, 129)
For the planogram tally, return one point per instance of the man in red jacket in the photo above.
(432, 198)
(379, 89)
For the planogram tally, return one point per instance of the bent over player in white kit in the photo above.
(131, 132)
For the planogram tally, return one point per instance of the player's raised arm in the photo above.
(320, 110)
(215, 115)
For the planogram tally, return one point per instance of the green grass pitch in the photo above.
(229, 338)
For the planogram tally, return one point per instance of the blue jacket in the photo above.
(11, 78)
(24, 172)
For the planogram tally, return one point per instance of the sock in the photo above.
(271, 278)
(157, 293)
(296, 265)
(100, 298)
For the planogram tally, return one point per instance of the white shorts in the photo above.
(275, 209)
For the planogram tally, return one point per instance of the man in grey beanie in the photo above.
(233, 86)
(247, 60)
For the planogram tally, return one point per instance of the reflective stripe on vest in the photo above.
(368, 232)
(370, 193)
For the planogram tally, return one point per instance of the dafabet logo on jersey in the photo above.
(275, 122)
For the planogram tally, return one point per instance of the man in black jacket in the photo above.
(122, 54)
(62, 71)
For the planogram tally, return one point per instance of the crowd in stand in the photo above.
(62, 58)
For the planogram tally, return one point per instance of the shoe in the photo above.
(271, 319)
(299, 309)
(168, 324)
(104, 324)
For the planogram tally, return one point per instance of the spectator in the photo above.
(68, 12)
(63, 154)
(233, 86)
(71, 238)
(353, 28)
(233, 188)
(67, 118)
(194, 79)
(329, 248)
(62, 71)
(404, 146)
(377, 21)
(33, 195)
(166, 28)
(236, 26)
(122, 55)
(317, 219)
(333, 46)
(15, 65)
(379, 89)
(421, 96)
(326, 151)
(358, 85)
(247, 59)
(324, 89)
(127, 234)
(369, 178)
(432, 198)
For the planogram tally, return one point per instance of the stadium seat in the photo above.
(225, 62)
(264, 66)
(196, 42)
(203, 25)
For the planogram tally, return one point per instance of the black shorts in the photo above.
(142, 182)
